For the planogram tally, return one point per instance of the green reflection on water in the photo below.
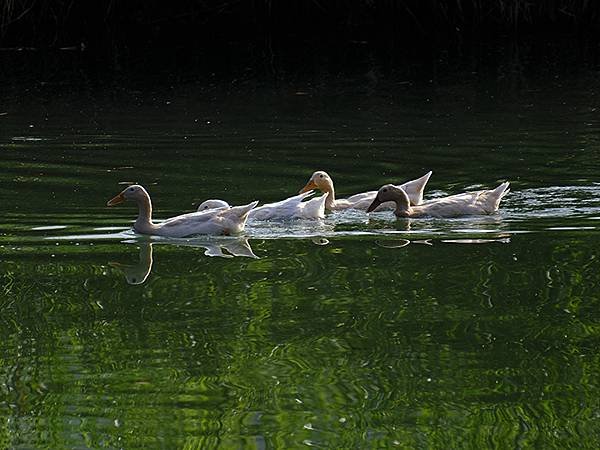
(348, 344)
(352, 333)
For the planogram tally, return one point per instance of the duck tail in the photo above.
(415, 188)
(241, 211)
(315, 207)
(303, 195)
(240, 248)
(496, 195)
(296, 199)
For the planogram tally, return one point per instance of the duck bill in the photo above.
(309, 187)
(374, 205)
(116, 200)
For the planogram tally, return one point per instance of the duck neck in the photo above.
(146, 256)
(403, 208)
(143, 223)
(330, 201)
(146, 260)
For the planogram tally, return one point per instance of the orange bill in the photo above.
(309, 187)
(116, 200)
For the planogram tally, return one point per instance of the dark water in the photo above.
(353, 332)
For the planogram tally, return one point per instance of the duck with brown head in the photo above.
(391, 193)
(322, 181)
(465, 204)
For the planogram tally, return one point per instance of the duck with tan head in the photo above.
(322, 181)
(224, 221)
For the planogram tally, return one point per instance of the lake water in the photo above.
(351, 332)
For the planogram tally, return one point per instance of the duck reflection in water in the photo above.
(399, 243)
(138, 273)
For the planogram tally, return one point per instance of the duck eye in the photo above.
(385, 190)
(131, 189)
(320, 176)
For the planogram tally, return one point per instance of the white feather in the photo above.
(289, 208)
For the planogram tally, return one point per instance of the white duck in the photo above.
(290, 208)
(465, 204)
(219, 222)
(322, 181)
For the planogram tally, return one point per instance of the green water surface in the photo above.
(352, 332)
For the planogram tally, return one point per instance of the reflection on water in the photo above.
(393, 243)
(355, 331)
(138, 273)
(555, 202)
(502, 240)
(343, 331)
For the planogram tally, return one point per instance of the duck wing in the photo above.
(467, 203)
(213, 221)
(489, 200)
(198, 217)
(313, 208)
(451, 206)
(190, 224)
(415, 188)
(282, 209)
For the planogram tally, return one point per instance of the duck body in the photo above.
(322, 181)
(289, 208)
(223, 221)
(220, 222)
(466, 204)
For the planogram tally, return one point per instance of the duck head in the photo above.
(390, 193)
(318, 180)
(134, 192)
(212, 204)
